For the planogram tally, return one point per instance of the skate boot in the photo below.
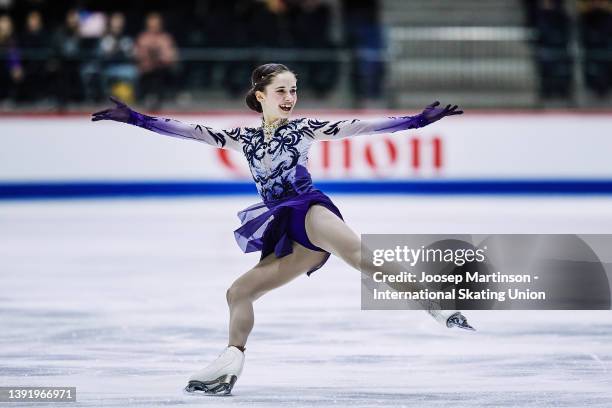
(458, 320)
(219, 376)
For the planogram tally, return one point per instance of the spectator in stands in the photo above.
(156, 56)
(67, 62)
(51, 10)
(261, 24)
(596, 37)
(552, 49)
(92, 27)
(116, 51)
(11, 71)
(272, 24)
(319, 75)
(35, 45)
(205, 30)
(210, 21)
(363, 34)
(237, 73)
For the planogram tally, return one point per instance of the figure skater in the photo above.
(296, 227)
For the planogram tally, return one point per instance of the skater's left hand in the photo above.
(432, 114)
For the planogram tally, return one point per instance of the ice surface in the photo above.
(124, 299)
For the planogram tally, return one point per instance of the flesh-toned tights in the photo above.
(326, 231)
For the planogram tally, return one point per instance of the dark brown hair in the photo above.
(260, 78)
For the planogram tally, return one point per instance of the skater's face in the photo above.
(279, 97)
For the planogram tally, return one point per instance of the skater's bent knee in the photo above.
(238, 292)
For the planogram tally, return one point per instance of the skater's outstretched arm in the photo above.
(226, 138)
(326, 130)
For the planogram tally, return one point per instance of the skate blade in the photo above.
(464, 326)
(221, 386)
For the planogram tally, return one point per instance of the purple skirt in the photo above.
(272, 226)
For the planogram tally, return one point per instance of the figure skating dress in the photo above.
(278, 164)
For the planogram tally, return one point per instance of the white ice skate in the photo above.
(219, 376)
(449, 318)
(458, 320)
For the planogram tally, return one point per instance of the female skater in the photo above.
(296, 227)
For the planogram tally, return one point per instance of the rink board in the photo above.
(565, 152)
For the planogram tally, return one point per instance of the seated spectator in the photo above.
(242, 15)
(35, 45)
(320, 75)
(273, 24)
(116, 53)
(364, 35)
(207, 30)
(11, 71)
(156, 56)
(552, 53)
(262, 24)
(92, 27)
(596, 37)
(67, 49)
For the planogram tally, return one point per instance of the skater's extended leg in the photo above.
(327, 231)
(268, 274)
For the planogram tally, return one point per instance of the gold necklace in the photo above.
(270, 129)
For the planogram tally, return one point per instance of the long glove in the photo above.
(432, 114)
(121, 113)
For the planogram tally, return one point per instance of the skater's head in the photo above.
(273, 91)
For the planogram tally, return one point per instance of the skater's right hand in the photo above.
(120, 113)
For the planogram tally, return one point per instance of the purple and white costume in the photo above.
(278, 167)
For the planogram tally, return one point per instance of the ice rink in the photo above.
(125, 298)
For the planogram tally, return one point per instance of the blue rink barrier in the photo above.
(73, 189)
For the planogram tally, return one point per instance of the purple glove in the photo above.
(432, 114)
(429, 115)
(122, 113)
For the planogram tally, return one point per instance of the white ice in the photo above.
(124, 299)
